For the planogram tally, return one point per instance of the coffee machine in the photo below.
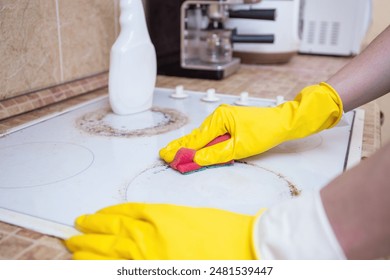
(191, 39)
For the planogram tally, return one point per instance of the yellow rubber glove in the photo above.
(255, 130)
(161, 231)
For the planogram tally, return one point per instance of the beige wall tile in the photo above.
(87, 34)
(117, 11)
(29, 46)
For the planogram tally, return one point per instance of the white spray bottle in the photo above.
(133, 66)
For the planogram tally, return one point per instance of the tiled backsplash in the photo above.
(47, 44)
(43, 97)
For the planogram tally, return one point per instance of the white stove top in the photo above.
(87, 158)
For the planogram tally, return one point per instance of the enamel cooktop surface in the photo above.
(88, 158)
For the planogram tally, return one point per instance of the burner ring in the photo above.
(244, 188)
(38, 164)
(163, 120)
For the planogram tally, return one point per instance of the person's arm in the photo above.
(367, 76)
(347, 219)
(358, 207)
(350, 217)
(357, 203)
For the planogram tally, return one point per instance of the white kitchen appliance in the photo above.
(81, 160)
(284, 27)
(206, 43)
(334, 27)
(194, 41)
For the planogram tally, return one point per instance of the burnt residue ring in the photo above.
(244, 187)
(294, 191)
(104, 122)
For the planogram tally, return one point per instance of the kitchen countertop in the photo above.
(265, 81)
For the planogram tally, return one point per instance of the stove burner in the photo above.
(42, 163)
(156, 121)
(244, 187)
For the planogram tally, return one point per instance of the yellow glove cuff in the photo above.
(337, 99)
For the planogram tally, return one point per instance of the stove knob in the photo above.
(210, 96)
(179, 93)
(243, 100)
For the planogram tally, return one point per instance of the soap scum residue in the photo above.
(94, 123)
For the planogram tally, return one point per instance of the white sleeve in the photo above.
(296, 229)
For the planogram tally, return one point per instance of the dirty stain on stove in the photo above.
(294, 191)
(158, 120)
(243, 187)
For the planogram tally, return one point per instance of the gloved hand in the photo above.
(162, 231)
(254, 130)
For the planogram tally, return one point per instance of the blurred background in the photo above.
(48, 43)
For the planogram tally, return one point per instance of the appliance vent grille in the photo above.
(311, 32)
(323, 33)
(334, 35)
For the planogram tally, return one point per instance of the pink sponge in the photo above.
(184, 158)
